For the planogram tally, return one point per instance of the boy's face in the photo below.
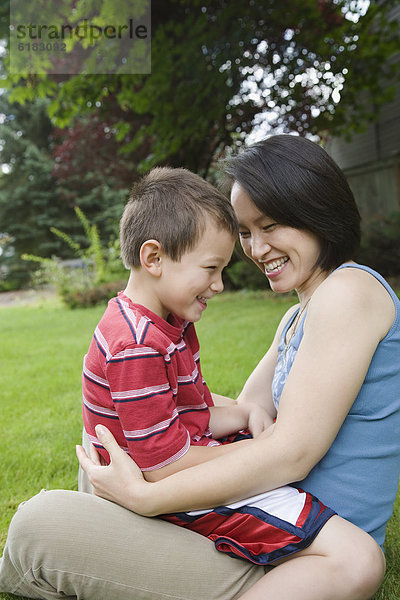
(186, 285)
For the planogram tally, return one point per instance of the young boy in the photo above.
(142, 377)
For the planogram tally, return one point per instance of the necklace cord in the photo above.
(293, 327)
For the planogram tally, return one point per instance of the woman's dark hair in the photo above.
(295, 182)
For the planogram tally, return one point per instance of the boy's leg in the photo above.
(262, 529)
(342, 563)
(65, 544)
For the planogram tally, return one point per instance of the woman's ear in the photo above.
(150, 257)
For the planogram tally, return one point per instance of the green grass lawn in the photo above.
(41, 351)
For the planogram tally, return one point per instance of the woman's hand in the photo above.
(121, 481)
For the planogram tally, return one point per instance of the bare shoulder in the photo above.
(355, 294)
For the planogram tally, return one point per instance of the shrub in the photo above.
(243, 274)
(84, 298)
(88, 279)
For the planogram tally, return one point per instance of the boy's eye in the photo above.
(244, 234)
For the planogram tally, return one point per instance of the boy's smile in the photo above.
(185, 286)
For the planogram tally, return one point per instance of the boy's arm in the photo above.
(220, 400)
(224, 420)
(149, 418)
(194, 456)
(146, 413)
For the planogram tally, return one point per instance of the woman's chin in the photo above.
(279, 287)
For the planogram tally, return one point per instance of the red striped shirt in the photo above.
(142, 380)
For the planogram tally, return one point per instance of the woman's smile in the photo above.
(275, 267)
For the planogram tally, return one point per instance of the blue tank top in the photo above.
(358, 477)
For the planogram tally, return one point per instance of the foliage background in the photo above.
(220, 71)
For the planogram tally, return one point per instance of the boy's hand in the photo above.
(225, 420)
(267, 432)
(258, 419)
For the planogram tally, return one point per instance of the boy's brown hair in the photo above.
(171, 206)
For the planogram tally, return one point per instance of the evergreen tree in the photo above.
(28, 199)
(49, 171)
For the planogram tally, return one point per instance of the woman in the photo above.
(331, 379)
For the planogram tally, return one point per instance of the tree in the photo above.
(90, 174)
(49, 172)
(218, 64)
(28, 203)
(219, 68)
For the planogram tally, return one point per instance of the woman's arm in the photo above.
(347, 317)
(122, 481)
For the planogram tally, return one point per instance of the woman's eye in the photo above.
(244, 234)
(269, 227)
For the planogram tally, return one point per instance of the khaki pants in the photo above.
(64, 544)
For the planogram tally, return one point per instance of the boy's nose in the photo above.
(217, 286)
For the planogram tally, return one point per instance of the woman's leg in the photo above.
(342, 563)
(65, 544)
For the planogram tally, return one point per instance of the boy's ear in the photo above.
(150, 257)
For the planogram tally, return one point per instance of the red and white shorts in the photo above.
(261, 529)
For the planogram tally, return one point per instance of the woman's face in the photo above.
(286, 255)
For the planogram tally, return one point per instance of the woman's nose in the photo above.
(259, 248)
